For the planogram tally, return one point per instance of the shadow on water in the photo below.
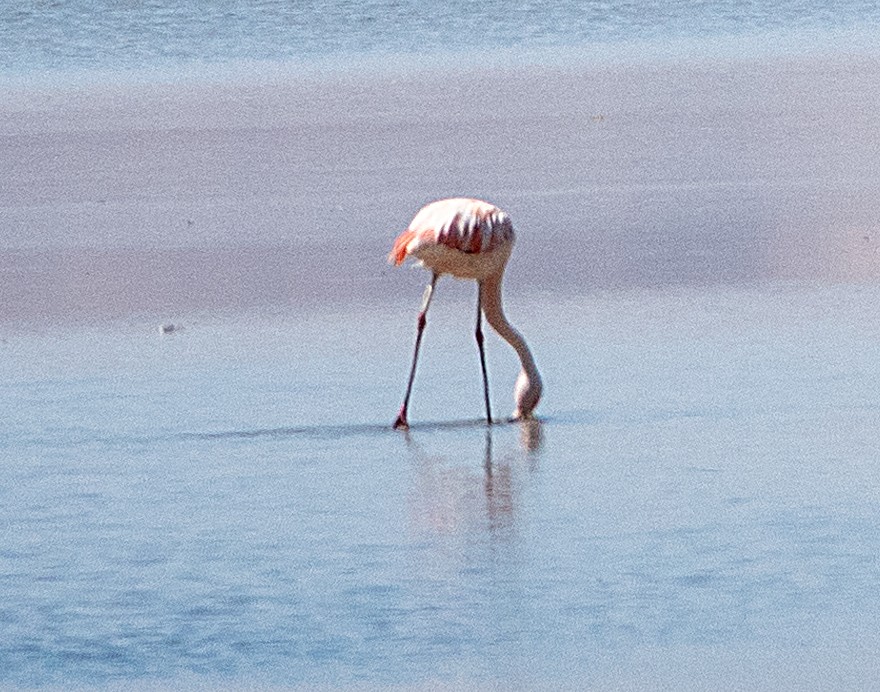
(530, 431)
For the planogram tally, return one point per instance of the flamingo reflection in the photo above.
(454, 494)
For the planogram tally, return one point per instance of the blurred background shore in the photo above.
(282, 189)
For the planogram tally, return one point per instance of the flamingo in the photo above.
(469, 239)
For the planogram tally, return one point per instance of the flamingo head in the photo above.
(526, 394)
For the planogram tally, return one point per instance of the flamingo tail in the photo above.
(398, 252)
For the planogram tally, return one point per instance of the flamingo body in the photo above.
(466, 238)
(469, 239)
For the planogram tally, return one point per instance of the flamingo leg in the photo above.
(478, 333)
(401, 421)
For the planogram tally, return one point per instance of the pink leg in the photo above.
(401, 421)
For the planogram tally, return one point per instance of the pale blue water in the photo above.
(83, 34)
(700, 504)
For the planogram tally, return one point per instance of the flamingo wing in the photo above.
(468, 225)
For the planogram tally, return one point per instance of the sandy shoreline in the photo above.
(151, 198)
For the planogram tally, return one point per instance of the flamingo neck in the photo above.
(528, 387)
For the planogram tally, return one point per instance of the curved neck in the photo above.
(490, 299)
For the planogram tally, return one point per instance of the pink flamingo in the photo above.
(469, 239)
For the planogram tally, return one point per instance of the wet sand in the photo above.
(283, 191)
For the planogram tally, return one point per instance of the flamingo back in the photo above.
(467, 226)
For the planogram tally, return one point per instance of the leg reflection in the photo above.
(451, 494)
(497, 489)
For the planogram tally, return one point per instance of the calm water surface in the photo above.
(80, 34)
(228, 503)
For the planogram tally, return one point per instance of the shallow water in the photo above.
(102, 35)
(228, 503)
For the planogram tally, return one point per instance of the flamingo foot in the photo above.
(401, 420)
